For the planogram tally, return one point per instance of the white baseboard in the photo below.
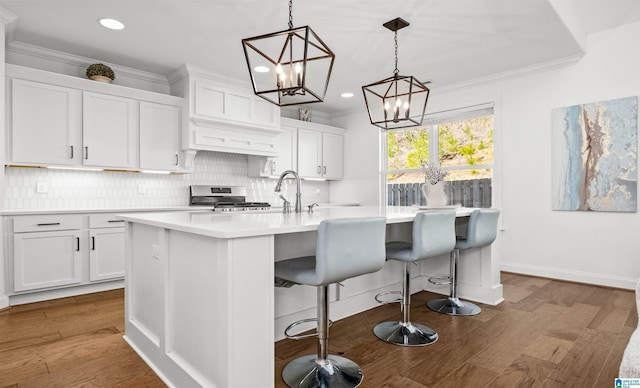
(40, 296)
(628, 283)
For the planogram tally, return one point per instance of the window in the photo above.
(461, 141)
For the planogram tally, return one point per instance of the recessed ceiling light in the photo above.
(261, 69)
(111, 24)
(346, 95)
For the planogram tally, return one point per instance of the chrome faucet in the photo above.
(278, 189)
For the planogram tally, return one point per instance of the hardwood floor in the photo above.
(70, 342)
(547, 333)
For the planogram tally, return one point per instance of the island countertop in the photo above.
(246, 224)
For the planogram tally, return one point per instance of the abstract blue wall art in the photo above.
(593, 156)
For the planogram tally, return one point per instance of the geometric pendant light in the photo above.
(398, 101)
(289, 67)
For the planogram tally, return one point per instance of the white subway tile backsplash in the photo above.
(72, 189)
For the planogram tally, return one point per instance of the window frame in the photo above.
(431, 122)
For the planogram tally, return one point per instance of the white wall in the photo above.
(361, 183)
(593, 247)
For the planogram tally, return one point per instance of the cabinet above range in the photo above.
(59, 120)
(224, 115)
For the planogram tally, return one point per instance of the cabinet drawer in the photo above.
(106, 220)
(42, 223)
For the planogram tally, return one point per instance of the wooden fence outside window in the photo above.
(468, 193)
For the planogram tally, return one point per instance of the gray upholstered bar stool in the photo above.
(345, 248)
(481, 231)
(433, 234)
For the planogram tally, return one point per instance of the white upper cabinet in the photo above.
(44, 123)
(309, 153)
(58, 120)
(109, 131)
(332, 155)
(226, 116)
(159, 136)
(219, 103)
(320, 150)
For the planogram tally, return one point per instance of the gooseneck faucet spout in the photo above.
(298, 193)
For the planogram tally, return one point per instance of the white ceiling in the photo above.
(447, 42)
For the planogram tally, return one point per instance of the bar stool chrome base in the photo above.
(453, 307)
(405, 334)
(309, 372)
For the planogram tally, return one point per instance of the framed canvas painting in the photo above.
(594, 156)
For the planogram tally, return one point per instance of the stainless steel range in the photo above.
(224, 198)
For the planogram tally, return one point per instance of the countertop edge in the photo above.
(25, 212)
(184, 224)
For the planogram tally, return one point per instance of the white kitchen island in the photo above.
(199, 286)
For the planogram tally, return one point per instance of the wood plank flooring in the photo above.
(547, 333)
(71, 342)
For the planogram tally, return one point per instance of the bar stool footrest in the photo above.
(300, 322)
(440, 280)
(382, 301)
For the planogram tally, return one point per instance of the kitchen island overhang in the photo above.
(200, 305)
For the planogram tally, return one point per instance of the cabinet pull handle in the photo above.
(71, 152)
(86, 152)
(49, 224)
(324, 169)
(93, 243)
(78, 244)
(115, 221)
(319, 169)
(273, 167)
(177, 160)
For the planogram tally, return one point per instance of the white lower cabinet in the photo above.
(53, 251)
(106, 247)
(106, 254)
(46, 259)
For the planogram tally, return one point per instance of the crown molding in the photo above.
(6, 16)
(82, 62)
(191, 70)
(511, 74)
